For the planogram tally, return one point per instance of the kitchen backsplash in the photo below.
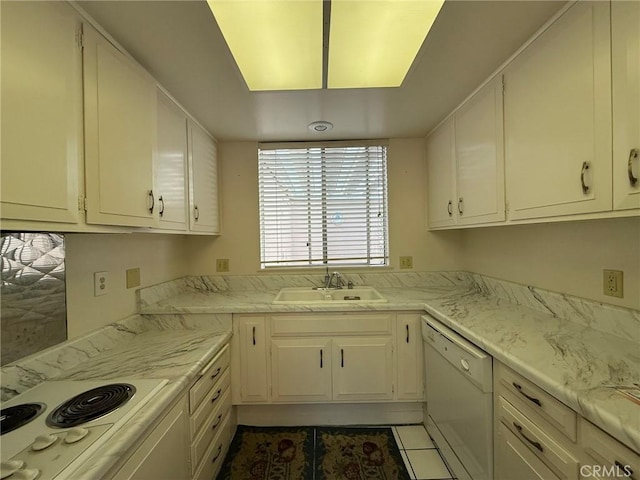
(33, 313)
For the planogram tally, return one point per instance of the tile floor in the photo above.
(420, 455)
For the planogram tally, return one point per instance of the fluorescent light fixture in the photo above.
(276, 44)
(373, 43)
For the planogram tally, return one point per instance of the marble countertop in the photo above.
(171, 347)
(550, 339)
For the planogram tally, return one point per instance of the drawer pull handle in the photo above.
(531, 399)
(215, 425)
(450, 208)
(217, 454)
(320, 358)
(217, 373)
(407, 326)
(532, 442)
(161, 201)
(342, 357)
(625, 468)
(633, 155)
(196, 213)
(216, 396)
(461, 205)
(153, 200)
(254, 335)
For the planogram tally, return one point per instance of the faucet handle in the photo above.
(350, 285)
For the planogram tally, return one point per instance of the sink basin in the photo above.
(306, 295)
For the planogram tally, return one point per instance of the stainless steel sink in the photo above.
(306, 295)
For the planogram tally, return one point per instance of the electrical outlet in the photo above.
(133, 277)
(100, 283)
(613, 283)
(406, 262)
(222, 265)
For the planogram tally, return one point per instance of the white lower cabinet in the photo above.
(209, 417)
(317, 358)
(301, 369)
(363, 368)
(409, 360)
(164, 453)
(538, 437)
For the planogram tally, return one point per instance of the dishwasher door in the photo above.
(459, 390)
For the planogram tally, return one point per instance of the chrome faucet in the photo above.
(338, 278)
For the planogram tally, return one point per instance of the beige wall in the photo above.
(240, 239)
(565, 257)
(160, 258)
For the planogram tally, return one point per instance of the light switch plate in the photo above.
(406, 262)
(133, 277)
(222, 265)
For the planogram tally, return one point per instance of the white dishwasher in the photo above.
(459, 391)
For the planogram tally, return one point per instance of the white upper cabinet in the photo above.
(479, 157)
(465, 163)
(557, 115)
(171, 165)
(41, 112)
(441, 189)
(120, 136)
(203, 173)
(625, 37)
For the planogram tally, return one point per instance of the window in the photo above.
(323, 206)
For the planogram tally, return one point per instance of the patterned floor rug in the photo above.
(313, 453)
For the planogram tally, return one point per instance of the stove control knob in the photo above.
(75, 435)
(10, 467)
(26, 474)
(43, 441)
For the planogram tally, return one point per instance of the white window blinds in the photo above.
(323, 206)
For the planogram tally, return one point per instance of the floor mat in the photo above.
(358, 454)
(274, 453)
(313, 453)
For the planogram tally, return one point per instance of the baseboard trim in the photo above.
(330, 414)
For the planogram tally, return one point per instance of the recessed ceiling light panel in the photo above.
(373, 43)
(276, 44)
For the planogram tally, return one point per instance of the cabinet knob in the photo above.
(633, 155)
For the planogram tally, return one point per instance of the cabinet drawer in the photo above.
(607, 451)
(212, 400)
(214, 455)
(212, 425)
(336, 324)
(536, 402)
(209, 376)
(563, 464)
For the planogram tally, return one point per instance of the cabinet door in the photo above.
(557, 116)
(203, 168)
(164, 453)
(441, 210)
(253, 365)
(480, 157)
(625, 37)
(171, 165)
(409, 357)
(514, 460)
(41, 111)
(363, 368)
(301, 369)
(120, 136)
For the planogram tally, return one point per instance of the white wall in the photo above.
(160, 258)
(566, 257)
(240, 239)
